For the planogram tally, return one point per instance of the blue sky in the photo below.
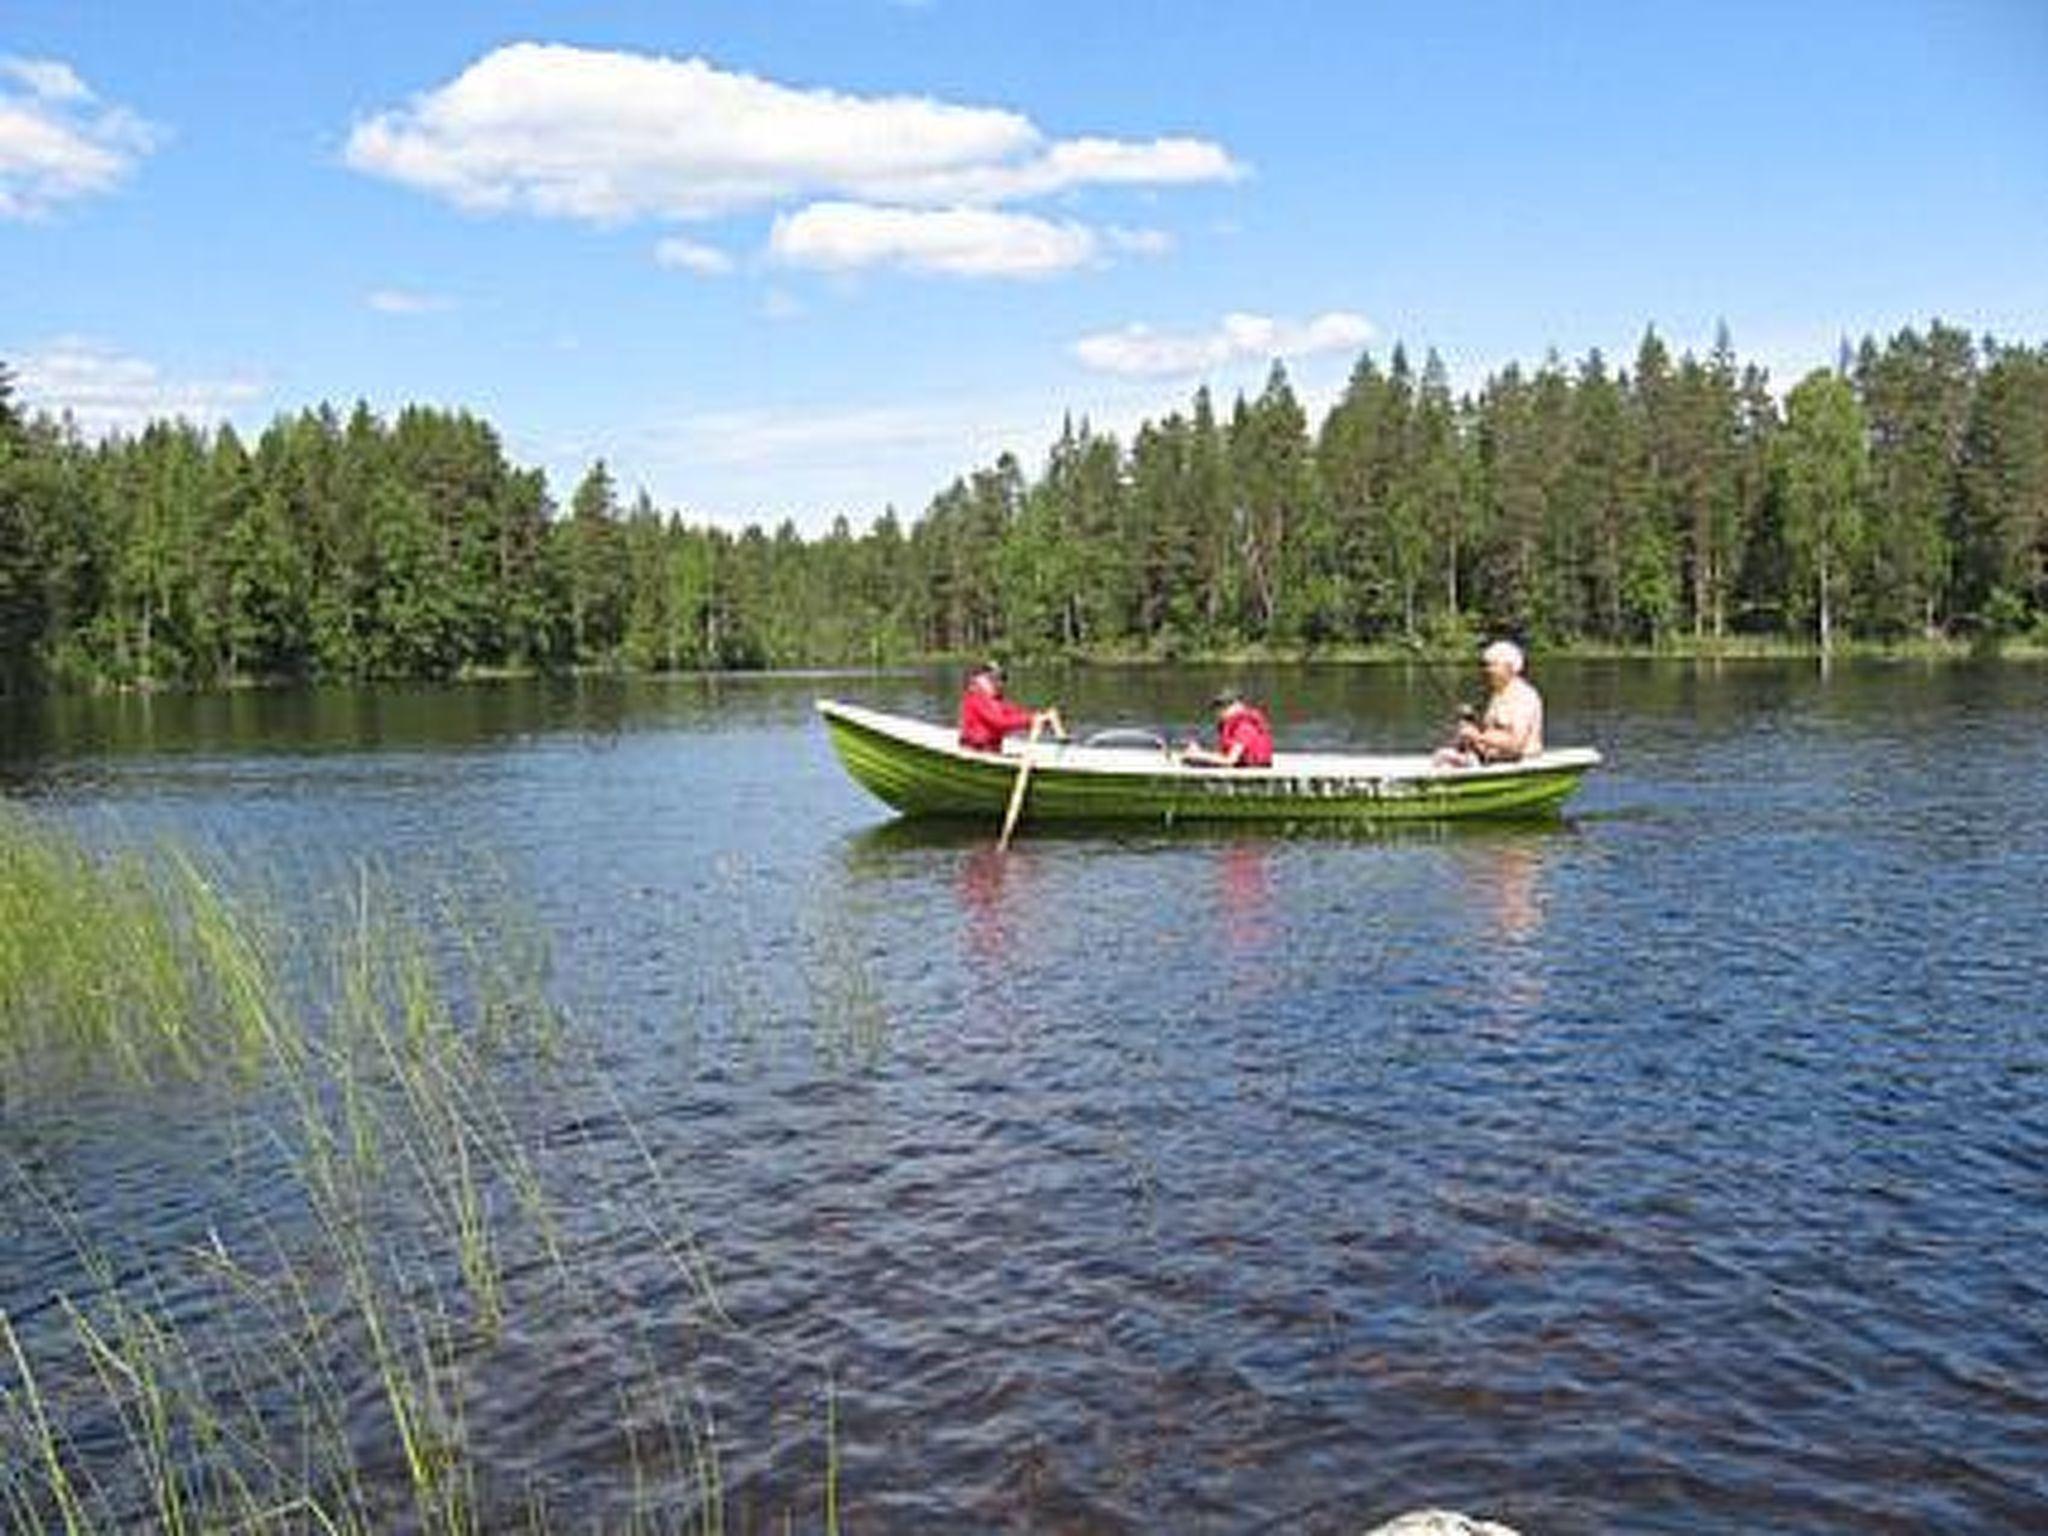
(799, 259)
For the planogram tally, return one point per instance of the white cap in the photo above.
(1505, 651)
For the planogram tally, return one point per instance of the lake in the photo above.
(1682, 1166)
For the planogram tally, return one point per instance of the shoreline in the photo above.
(1745, 648)
(1737, 649)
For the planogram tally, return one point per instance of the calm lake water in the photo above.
(1681, 1167)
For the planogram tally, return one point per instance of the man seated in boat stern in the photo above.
(1510, 728)
(1243, 738)
(986, 717)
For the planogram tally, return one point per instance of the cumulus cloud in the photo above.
(588, 134)
(692, 256)
(58, 142)
(104, 390)
(961, 242)
(608, 137)
(1058, 168)
(49, 79)
(1138, 351)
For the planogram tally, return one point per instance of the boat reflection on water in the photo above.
(1244, 879)
(1505, 877)
(991, 885)
(988, 882)
(1499, 874)
(1507, 880)
(984, 872)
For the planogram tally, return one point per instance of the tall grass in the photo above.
(310, 1363)
(131, 961)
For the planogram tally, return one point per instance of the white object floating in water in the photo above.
(1440, 1522)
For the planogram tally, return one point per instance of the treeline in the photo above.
(1902, 493)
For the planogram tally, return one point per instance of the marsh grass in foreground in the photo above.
(135, 965)
(314, 1361)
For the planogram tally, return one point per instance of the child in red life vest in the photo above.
(1243, 738)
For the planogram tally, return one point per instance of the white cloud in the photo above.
(50, 79)
(404, 301)
(692, 256)
(57, 142)
(1138, 351)
(1060, 167)
(603, 136)
(961, 242)
(106, 391)
(1161, 163)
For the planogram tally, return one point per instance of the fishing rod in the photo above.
(1438, 670)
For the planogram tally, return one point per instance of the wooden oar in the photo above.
(1017, 791)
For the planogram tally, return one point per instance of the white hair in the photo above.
(1504, 651)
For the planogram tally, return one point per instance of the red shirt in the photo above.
(1246, 727)
(985, 718)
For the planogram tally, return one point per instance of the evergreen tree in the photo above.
(23, 611)
(1212, 521)
(1759, 580)
(1824, 468)
(595, 566)
(1596, 492)
(1370, 543)
(1442, 486)
(157, 511)
(1650, 573)
(653, 628)
(2005, 490)
(1415, 479)
(1916, 392)
(995, 500)
(1513, 499)
(886, 586)
(1564, 502)
(13, 429)
(1559, 604)
(532, 599)
(1166, 582)
(1065, 571)
(1271, 478)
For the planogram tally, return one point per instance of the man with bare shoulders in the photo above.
(1510, 728)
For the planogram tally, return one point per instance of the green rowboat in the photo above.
(921, 770)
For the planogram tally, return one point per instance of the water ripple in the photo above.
(1676, 1169)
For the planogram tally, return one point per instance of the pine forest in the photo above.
(1899, 496)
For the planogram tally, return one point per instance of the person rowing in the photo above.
(986, 716)
(1510, 728)
(1243, 738)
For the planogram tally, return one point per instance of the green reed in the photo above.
(372, 1061)
(135, 962)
